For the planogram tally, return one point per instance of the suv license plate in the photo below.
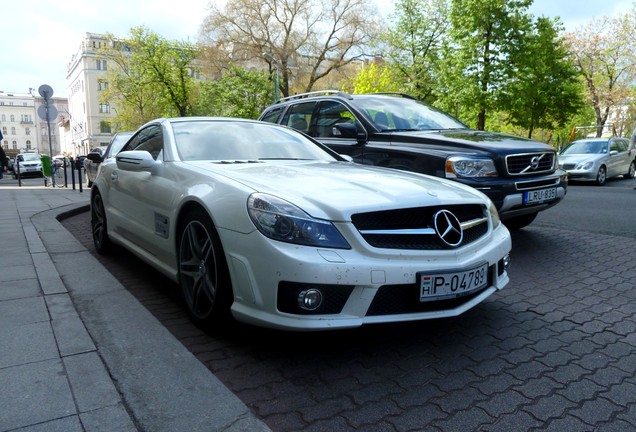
(539, 196)
(448, 285)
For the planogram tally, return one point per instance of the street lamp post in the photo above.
(270, 58)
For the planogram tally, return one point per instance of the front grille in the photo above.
(379, 229)
(530, 163)
(403, 299)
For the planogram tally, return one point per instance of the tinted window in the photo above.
(299, 116)
(273, 115)
(330, 114)
(149, 139)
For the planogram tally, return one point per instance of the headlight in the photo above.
(494, 214)
(462, 166)
(585, 165)
(280, 220)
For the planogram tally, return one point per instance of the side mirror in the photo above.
(137, 160)
(349, 130)
(95, 157)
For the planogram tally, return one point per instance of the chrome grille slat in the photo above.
(530, 163)
(412, 229)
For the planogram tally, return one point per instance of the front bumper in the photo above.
(363, 279)
(508, 193)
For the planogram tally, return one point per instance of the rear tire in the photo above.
(203, 272)
(632, 170)
(519, 222)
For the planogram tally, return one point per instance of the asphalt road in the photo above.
(608, 209)
(554, 351)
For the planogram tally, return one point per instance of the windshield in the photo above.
(239, 140)
(118, 142)
(398, 113)
(585, 147)
(29, 157)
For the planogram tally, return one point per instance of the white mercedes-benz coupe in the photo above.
(262, 223)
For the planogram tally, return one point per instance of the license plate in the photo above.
(452, 284)
(539, 196)
(31, 169)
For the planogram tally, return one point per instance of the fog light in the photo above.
(310, 299)
(506, 261)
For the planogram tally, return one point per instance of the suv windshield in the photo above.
(399, 114)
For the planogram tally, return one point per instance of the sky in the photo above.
(38, 38)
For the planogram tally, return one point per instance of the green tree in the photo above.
(376, 77)
(154, 77)
(545, 91)
(239, 93)
(413, 45)
(604, 51)
(305, 40)
(477, 64)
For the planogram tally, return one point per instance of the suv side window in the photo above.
(273, 115)
(149, 139)
(329, 114)
(299, 116)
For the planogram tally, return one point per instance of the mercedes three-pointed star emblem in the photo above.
(448, 228)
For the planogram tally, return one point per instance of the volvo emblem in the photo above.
(534, 163)
(448, 228)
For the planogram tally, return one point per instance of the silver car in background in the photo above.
(597, 159)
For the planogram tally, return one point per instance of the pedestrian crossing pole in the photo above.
(48, 112)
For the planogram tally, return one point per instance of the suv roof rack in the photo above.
(315, 93)
(404, 95)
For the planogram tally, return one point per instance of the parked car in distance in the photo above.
(262, 221)
(520, 176)
(597, 159)
(97, 155)
(27, 165)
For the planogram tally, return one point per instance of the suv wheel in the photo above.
(519, 222)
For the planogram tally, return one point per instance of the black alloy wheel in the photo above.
(203, 272)
(98, 225)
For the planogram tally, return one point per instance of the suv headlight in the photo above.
(463, 166)
(280, 220)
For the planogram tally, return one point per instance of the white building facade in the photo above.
(89, 121)
(23, 130)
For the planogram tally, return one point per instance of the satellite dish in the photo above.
(46, 91)
(52, 112)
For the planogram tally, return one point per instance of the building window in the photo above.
(12, 118)
(27, 131)
(13, 130)
(102, 85)
(104, 127)
(28, 145)
(15, 145)
(104, 108)
(4, 130)
(4, 117)
(101, 64)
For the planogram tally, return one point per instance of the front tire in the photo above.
(203, 272)
(601, 176)
(99, 226)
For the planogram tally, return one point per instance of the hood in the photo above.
(578, 158)
(335, 190)
(469, 139)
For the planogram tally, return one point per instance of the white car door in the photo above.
(142, 200)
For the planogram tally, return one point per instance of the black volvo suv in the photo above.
(521, 176)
